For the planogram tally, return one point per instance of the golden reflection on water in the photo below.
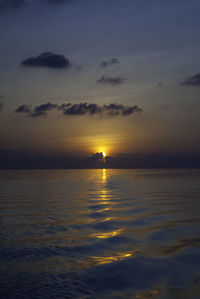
(104, 175)
(103, 192)
(104, 195)
(100, 260)
(103, 210)
(149, 294)
(109, 234)
(107, 219)
(141, 210)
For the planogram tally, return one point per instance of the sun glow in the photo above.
(104, 154)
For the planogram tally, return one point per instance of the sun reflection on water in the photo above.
(107, 219)
(100, 260)
(104, 175)
(103, 210)
(149, 294)
(103, 194)
(109, 234)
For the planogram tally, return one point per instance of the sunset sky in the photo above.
(141, 56)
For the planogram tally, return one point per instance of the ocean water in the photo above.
(100, 234)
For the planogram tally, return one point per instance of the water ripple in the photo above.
(100, 234)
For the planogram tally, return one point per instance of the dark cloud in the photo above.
(103, 110)
(192, 81)
(106, 63)
(119, 109)
(111, 80)
(98, 159)
(64, 106)
(42, 109)
(80, 109)
(126, 111)
(11, 3)
(98, 156)
(47, 59)
(23, 109)
(160, 84)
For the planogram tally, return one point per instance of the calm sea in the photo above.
(100, 234)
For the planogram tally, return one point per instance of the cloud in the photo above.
(23, 109)
(82, 109)
(112, 61)
(192, 81)
(47, 59)
(103, 110)
(42, 109)
(160, 84)
(64, 106)
(89, 109)
(120, 109)
(97, 157)
(111, 80)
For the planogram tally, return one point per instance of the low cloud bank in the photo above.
(110, 62)
(111, 80)
(10, 159)
(80, 109)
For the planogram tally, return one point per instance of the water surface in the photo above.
(100, 234)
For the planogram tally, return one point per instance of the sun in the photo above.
(101, 150)
(104, 154)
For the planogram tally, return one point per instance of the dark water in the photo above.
(100, 234)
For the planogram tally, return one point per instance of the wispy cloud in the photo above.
(80, 109)
(192, 81)
(40, 110)
(111, 80)
(92, 109)
(23, 109)
(47, 59)
(160, 84)
(110, 62)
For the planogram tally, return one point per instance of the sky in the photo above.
(84, 76)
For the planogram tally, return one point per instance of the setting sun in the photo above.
(104, 154)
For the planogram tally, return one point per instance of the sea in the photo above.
(93, 234)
